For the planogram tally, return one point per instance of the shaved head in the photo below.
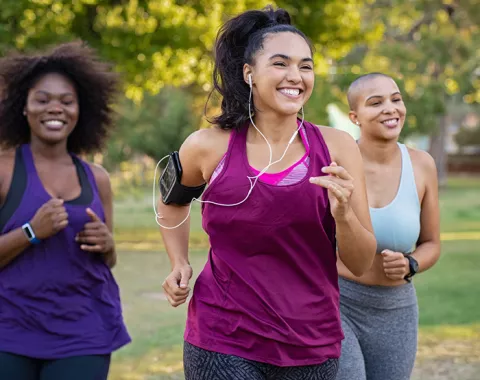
(358, 86)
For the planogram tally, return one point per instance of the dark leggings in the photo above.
(16, 367)
(200, 364)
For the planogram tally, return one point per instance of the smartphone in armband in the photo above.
(171, 188)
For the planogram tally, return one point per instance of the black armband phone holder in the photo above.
(173, 192)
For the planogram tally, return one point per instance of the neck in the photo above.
(277, 129)
(378, 151)
(50, 152)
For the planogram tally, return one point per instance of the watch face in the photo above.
(414, 264)
(28, 232)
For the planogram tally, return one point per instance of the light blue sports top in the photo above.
(397, 225)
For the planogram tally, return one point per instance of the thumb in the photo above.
(92, 215)
(184, 278)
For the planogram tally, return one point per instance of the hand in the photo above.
(49, 219)
(95, 237)
(340, 188)
(175, 285)
(395, 265)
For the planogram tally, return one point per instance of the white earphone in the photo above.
(250, 80)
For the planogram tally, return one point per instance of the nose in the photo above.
(55, 108)
(293, 75)
(389, 108)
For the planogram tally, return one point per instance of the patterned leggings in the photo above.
(200, 364)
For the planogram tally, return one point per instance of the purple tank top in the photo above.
(269, 290)
(56, 300)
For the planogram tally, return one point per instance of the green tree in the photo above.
(432, 48)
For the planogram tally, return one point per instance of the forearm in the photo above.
(426, 254)
(356, 245)
(175, 240)
(11, 245)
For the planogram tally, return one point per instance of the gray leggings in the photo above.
(380, 324)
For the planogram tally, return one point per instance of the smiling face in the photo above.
(52, 108)
(379, 108)
(282, 74)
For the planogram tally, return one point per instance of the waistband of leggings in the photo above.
(377, 296)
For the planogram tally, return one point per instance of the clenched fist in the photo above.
(49, 219)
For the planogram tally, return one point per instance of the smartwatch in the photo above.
(413, 264)
(28, 230)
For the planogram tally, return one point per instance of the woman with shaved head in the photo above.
(379, 309)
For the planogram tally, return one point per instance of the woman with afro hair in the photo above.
(60, 311)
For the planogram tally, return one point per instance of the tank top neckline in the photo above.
(401, 183)
(242, 134)
(30, 163)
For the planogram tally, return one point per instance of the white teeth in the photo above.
(289, 91)
(390, 123)
(54, 123)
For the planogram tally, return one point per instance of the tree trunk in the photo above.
(438, 151)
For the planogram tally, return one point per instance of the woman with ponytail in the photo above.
(282, 194)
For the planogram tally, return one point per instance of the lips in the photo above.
(391, 123)
(54, 124)
(291, 92)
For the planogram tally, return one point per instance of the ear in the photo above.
(352, 115)
(247, 70)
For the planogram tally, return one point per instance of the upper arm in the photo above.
(345, 152)
(7, 163)
(430, 213)
(105, 191)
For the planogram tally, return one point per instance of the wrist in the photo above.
(29, 233)
(345, 218)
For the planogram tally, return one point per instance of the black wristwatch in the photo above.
(413, 264)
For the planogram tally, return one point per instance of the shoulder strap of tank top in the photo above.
(87, 182)
(317, 142)
(16, 190)
(408, 186)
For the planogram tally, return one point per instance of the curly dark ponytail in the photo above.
(237, 42)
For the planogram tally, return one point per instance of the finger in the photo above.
(173, 288)
(394, 256)
(60, 225)
(55, 202)
(339, 193)
(394, 270)
(394, 264)
(91, 240)
(92, 215)
(93, 226)
(184, 279)
(60, 217)
(90, 232)
(325, 182)
(92, 248)
(338, 171)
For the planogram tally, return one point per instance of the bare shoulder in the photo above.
(102, 178)
(7, 162)
(422, 162)
(339, 143)
(203, 141)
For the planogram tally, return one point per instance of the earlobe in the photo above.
(353, 118)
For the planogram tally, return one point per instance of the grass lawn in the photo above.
(448, 295)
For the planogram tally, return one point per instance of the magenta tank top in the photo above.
(269, 290)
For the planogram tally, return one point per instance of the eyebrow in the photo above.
(49, 93)
(287, 58)
(380, 96)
